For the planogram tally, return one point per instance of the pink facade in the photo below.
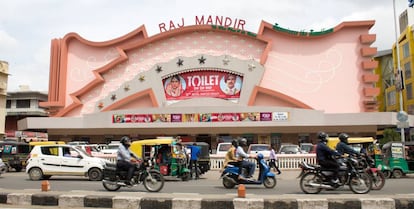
(330, 71)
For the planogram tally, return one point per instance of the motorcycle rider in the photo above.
(324, 156)
(342, 147)
(241, 156)
(126, 159)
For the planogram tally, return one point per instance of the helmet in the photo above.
(243, 142)
(124, 140)
(344, 137)
(235, 143)
(322, 136)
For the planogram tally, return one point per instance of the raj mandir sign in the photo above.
(237, 24)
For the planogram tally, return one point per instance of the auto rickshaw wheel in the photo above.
(397, 173)
(387, 173)
(186, 176)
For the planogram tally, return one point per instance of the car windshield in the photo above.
(224, 147)
(290, 149)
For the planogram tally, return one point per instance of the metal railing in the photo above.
(285, 161)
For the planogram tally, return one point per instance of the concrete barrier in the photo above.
(206, 202)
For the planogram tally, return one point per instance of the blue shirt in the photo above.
(195, 152)
(125, 154)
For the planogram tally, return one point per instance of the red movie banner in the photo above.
(204, 83)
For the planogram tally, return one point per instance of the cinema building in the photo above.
(212, 81)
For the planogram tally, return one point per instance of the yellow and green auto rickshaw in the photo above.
(167, 154)
(399, 157)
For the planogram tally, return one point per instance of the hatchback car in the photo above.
(289, 149)
(259, 148)
(63, 160)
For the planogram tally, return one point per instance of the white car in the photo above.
(63, 160)
(259, 148)
(222, 148)
(289, 149)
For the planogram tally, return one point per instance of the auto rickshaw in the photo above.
(167, 155)
(14, 154)
(399, 157)
(204, 159)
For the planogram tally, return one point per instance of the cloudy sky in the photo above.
(28, 26)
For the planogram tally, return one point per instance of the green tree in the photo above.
(390, 135)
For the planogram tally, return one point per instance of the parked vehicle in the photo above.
(399, 158)
(314, 178)
(289, 149)
(151, 178)
(307, 147)
(230, 175)
(204, 159)
(63, 160)
(222, 148)
(110, 149)
(259, 148)
(14, 154)
(168, 156)
(3, 168)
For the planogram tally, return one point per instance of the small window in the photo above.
(8, 104)
(24, 103)
(49, 151)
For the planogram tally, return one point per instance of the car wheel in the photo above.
(35, 174)
(95, 174)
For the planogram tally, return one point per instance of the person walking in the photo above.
(195, 155)
(273, 159)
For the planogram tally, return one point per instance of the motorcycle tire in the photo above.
(228, 183)
(308, 178)
(111, 186)
(154, 181)
(269, 182)
(361, 183)
(378, 180)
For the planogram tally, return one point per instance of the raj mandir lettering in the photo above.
(235, 23)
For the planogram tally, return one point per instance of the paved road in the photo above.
(209, 184)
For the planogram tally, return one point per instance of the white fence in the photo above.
(286, 161)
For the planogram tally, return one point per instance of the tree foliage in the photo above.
(390, 135)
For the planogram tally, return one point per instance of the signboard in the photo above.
(197, 84)
(201, 117)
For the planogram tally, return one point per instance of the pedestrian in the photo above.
(273, 160)
(195, 155)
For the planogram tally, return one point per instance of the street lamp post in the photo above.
(399, 71)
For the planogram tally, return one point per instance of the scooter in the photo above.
(231, 177)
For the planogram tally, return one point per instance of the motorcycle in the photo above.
(377, 176)
(114, 178)
(3, 167)
(230, 175)
(314, 178)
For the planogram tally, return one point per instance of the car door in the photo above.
(71, 162)
(49, 159)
